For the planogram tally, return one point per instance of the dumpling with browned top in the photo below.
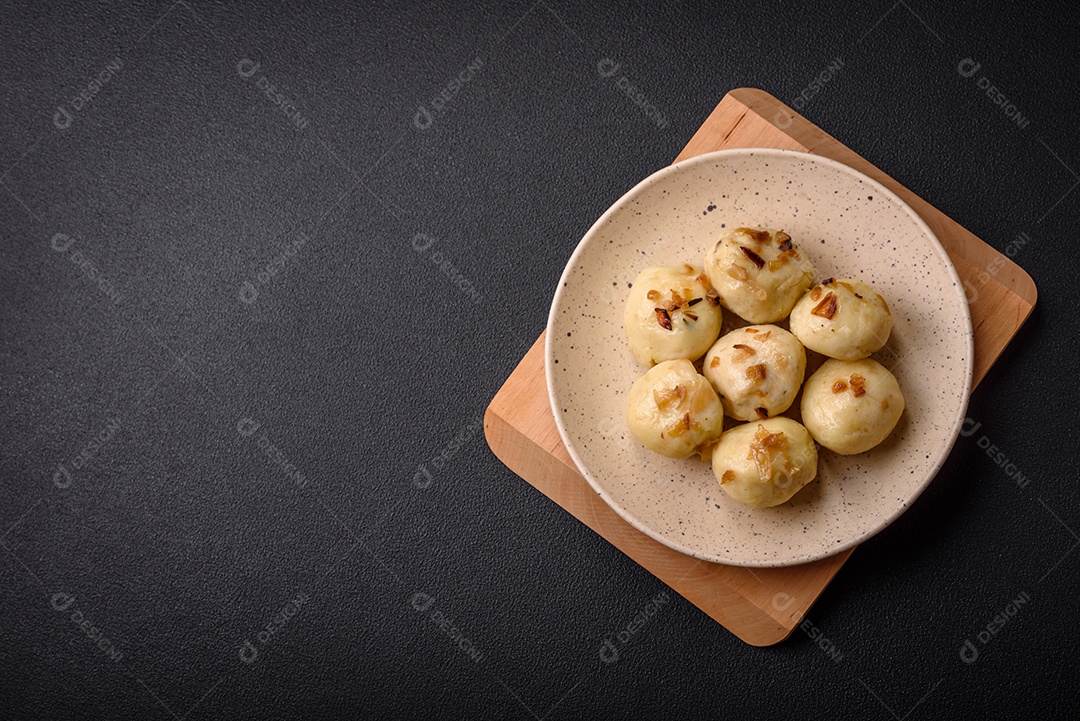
(757, 371)
(672, 312)
(673, 410)
(759, 273)
(765, 463)
(842, 318)
(851, 406)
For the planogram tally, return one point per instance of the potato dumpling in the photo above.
(757, 371)
(765, 463)
(851, 406)
(758, 272)
(673, 410)
(842, 318)
(671, 312)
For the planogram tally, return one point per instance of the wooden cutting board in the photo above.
(761, 606)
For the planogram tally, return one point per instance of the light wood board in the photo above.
(761, 606)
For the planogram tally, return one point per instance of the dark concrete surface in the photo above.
(225, 352)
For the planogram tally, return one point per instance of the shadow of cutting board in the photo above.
(761, 606)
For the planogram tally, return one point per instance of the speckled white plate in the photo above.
(851, 226)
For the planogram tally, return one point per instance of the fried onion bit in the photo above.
(827, 307)
(663, 318)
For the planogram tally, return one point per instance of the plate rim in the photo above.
(657, 177)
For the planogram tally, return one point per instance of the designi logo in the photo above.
(61, 119)
(61, 601)
(248, 293)
(782, 601)
(248, 652)
(246, 426)
(62, 477)
(422, 601)
(61, 242)
(247, 67)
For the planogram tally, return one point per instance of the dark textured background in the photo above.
(180, 539)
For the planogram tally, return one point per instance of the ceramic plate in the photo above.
(850, 226)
